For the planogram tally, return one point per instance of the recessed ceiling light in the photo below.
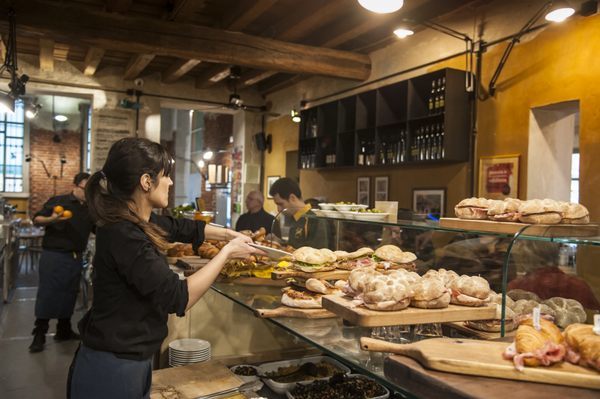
(382, 6)
(403, 32)
(60, 118)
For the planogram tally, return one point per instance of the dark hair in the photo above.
(79, 177)
(109, 191)
(285, 187)
(314, 203)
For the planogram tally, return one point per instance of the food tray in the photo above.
(283, 387)
(386, 395)
(245, 378)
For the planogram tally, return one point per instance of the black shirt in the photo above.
(254, 221)
(70, 235)
(308, 231)
(134, 289)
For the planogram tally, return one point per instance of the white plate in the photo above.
(345, 207)
(332, 214)
(271, 252)
(326, 206)
(189, 345)
(348, 214)
(373, 217)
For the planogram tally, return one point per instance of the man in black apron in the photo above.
(67, 228)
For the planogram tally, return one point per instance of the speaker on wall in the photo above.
(263, 141)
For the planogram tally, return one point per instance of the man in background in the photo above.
(304, 229)
(67, 228)
(256, 217)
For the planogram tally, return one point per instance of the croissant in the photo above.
(530, 340)
(584, 344)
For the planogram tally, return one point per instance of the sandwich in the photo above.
(430, 293)
(533, 347)
(495, 324)
(387, 294)
(472, 208)
(470, 291)
(574, 213)
(312, 260)
(297, 298)
(446, 276)
(583, 345)
(324, 287)
(352, 260)
(392, 257)
(540, 212)
(504, 211)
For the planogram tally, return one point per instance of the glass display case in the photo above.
(556, 262)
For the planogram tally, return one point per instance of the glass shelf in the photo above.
(340, 341)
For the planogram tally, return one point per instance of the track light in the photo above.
(208, 155)
(295, 116)
(7, 104)
(382, 6)
(559, 11)
(201, 163)
(235, 100)
(31, 110)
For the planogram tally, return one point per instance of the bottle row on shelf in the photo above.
(437, 96)
(428, 143)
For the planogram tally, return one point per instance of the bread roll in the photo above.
(566, 311)
(517, 294)
(574, 213)
(540, 212)
(472, 208)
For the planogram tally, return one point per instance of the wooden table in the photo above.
(425, 384)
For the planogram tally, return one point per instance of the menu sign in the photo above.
(109, 126)
(499, 177)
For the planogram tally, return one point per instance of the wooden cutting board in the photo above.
(189, 382)
(483, 358)
(286, 311)
(190, 260)
(361, 316)
(330, 275)
(473, 332)
(556, 230)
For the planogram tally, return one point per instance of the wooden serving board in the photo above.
(286, 311)
(483, 358)
(330, 275)
(472, 332)
(555, 230)
(192, 381)
(361, 316)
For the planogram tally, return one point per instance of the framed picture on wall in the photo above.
(362, 190)
(381, 188)
(430, 202)
(270, 181)
(499, 176)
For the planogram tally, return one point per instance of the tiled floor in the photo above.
(25, 375)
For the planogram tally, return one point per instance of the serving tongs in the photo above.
(247, 387)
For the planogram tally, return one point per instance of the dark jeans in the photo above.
(60, 276)
(101, 375)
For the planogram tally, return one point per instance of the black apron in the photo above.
(60, 276)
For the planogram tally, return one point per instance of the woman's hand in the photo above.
(239, 248)
(232, 234)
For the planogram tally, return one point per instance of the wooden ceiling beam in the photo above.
(279, 82)
(148, 36)
(92, 59)
(253, 77)
(212, 75)
(46, 55)
(136, 65)
(309, 23)
(61, 51)
(246, 14)
(178, 69)
(118, 5)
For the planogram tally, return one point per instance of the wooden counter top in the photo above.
(426, 384)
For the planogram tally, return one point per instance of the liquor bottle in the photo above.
(435, 135)
(361, 154)
(430, 103)
(382, 150)
(427, 140)
(313, 126)
(402, 146)
(442, 150)
(441, 93)
(414, 147)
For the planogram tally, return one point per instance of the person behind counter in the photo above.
(134, 289)
(304, 231)
(67, 228)
(256, 217)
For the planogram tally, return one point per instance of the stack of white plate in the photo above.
(187, 351)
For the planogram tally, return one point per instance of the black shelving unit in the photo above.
(393, 125)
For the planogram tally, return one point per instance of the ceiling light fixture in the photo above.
(17, 83)
(295, 116)
(201, 163)
(403, 32)
(382, 6)
(559, 11)
(60, 118)
(31, 110)
(208, 155)
(7, 103)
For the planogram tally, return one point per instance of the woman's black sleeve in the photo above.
(181, 230)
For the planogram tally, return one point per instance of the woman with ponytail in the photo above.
(134, 289)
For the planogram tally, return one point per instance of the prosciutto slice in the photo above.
(550, 353)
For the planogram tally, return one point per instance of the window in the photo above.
(12, 127)
(575, 177)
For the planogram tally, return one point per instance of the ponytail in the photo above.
(108, 192)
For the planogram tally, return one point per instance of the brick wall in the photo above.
(42, 148)
(217, 130)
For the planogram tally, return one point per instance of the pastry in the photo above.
(583, 345)
(534, 347)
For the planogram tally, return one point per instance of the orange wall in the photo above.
(561, 63)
